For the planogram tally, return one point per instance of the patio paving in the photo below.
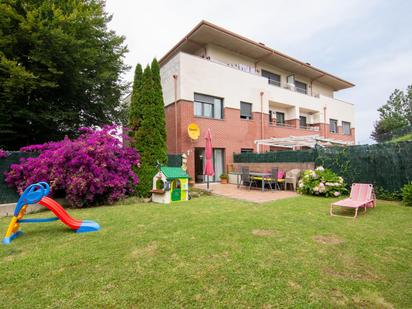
(253, 195)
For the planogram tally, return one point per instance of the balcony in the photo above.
(238, 83)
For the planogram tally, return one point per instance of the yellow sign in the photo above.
(193, 130)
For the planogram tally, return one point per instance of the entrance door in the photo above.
(218, 164)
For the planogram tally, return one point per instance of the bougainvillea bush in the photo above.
(95, 168)
(3, 153)
(322, 182)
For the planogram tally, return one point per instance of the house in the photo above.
(245, 91)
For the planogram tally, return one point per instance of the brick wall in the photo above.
(231, 133)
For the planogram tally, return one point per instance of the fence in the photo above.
(276, 156)
(388, 166)
(7, 194)
(174, 160)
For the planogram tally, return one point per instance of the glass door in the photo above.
(218, 162)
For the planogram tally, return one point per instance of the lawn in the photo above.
(213, 252)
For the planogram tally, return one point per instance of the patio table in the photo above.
(255, 174)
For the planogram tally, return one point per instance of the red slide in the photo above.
(60, 213)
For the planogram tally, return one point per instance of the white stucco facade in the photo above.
(212, 76)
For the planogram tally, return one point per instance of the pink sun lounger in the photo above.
(361, 195)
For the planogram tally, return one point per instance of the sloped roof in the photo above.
(206, 32)
(173, 172)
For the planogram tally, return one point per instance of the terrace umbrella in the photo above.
(208, 169)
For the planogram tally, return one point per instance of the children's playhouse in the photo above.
(170, 184)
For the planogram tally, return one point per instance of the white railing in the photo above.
(291, 126)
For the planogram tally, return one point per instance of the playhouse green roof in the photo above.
(173, 172)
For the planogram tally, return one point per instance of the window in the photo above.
(346, 127)
(280, 118)
(273, 79)
(333, 126)
(245, 110)
(208, 106)
(246, 150)
(300, 87)
(303, 121)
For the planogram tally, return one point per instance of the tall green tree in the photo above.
(60, 69)
(135, 114)
(394, 116)
(150, 136)
(158, 97)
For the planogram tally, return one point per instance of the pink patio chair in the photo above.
(361, 195)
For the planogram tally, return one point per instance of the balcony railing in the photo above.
(291, 126)
(251, 70)
(310, 128)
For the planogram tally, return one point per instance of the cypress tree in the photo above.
(148, 138)
(135, 112)
(158, 96)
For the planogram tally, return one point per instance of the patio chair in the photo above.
(292, 178)
(245, 178)
(273, 180)
(361, 195)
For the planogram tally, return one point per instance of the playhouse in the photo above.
(170, 184)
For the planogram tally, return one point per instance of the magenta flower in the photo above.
(95, 168)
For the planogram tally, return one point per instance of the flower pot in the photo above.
(223, 181)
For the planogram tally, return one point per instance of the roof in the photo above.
(206, 32)
(173, 172)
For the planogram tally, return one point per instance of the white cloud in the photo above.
(365, 42)
(376, 76)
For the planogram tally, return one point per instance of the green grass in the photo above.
(213, 252)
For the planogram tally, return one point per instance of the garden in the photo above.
(214, 252)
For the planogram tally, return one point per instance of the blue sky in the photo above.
(368, 43)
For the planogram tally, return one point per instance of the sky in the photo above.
(368, 43)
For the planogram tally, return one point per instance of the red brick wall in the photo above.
(231, 133)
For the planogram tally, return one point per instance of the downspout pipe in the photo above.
(261, 114)
(324, 122)
(175, 90)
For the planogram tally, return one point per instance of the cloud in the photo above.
(365, 42)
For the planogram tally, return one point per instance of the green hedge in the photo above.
(7, 194)
(275, 156)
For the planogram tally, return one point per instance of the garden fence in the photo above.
(388, 166)
(7, 194)
(174, 160)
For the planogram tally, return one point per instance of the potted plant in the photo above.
(224, 178)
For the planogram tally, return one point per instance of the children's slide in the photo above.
(78, 225)
(37, 193)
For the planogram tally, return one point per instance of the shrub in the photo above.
(407, 194)
(224, 176)
(93, 169)
(322, 182)
(3, 153)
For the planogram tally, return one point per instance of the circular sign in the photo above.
(193, 130)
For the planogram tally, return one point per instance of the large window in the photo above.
(245, 110)
(300, 87)
(333, 126)
(303, 122)
(208, 106)
(346, 127)
(273, 79)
